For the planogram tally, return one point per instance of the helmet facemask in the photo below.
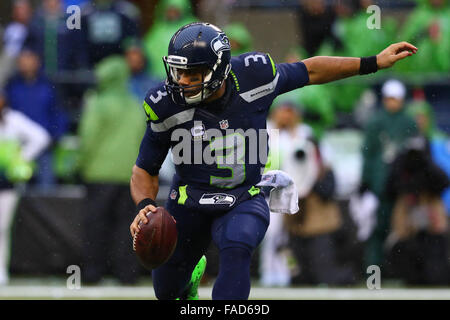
(176, 66)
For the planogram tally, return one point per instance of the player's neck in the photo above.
(218, 93)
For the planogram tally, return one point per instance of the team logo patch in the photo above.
(173, 194)
(217, 198)
(220, 43)
(223, 124)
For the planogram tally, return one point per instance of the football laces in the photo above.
(134, 241)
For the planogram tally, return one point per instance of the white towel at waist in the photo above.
(284, 196)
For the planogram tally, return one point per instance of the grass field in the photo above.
(55, 288)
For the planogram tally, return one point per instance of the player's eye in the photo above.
(193, 77)
(200, 71)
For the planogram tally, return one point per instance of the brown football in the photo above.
(155, 242)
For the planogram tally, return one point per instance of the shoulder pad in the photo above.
(162, 112)
(156, 103)
(252, 70)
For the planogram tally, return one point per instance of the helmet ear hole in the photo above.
(215, 85)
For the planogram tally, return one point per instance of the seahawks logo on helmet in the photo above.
(220, 43)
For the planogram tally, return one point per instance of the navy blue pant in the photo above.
(236, 233)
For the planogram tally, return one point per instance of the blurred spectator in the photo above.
(111, 128)
(355, 40)
(58, 47)
(341, 150)
(317, 109)
(422, 113)
(140, 81)
(438, 140)
(313, 229)
(288, 151)
(105, 25)
(14, 37)
(418, 243)
(314, 101)
(219, 11)
(385, 135)
(240, 39)
(16, 31)
(352, 29)
(343, 96)
(440, 150)
(363, 207)
(170, 15)
(31, 93)
(315, 24)
(67, 3)
(428, 27)
(286, 118)
(21, 141)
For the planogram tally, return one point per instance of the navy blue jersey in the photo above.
(212, 146)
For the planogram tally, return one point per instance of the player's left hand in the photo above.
(141, 216)
(395, 52)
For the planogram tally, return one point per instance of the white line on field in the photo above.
(123, 292)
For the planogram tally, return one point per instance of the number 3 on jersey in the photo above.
(231, 158)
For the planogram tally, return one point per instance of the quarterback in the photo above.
(208, 91)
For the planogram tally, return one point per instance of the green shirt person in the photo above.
(423, 114)
(357, 38)
(110, 127)
(429, 26)
(240, 38)
(385, 136)
(169, 15)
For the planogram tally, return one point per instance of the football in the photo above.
(155, 242)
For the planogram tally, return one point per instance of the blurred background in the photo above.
(370, 155)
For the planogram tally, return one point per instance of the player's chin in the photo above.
(191, 93)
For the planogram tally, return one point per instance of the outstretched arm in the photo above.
(323, 69)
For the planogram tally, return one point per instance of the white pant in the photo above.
(273, 264)
(8, 201)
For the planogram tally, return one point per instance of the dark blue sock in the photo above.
(233, 281)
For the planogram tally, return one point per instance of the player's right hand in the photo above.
(395, 52)
(141, 216)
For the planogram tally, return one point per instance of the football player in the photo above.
(203, 112)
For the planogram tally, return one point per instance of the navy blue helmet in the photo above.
(200, 47)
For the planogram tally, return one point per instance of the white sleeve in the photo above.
(33, 137)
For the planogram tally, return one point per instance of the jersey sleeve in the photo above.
(153, 150)
(259, 77)
(291, 76)
(155, 144)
